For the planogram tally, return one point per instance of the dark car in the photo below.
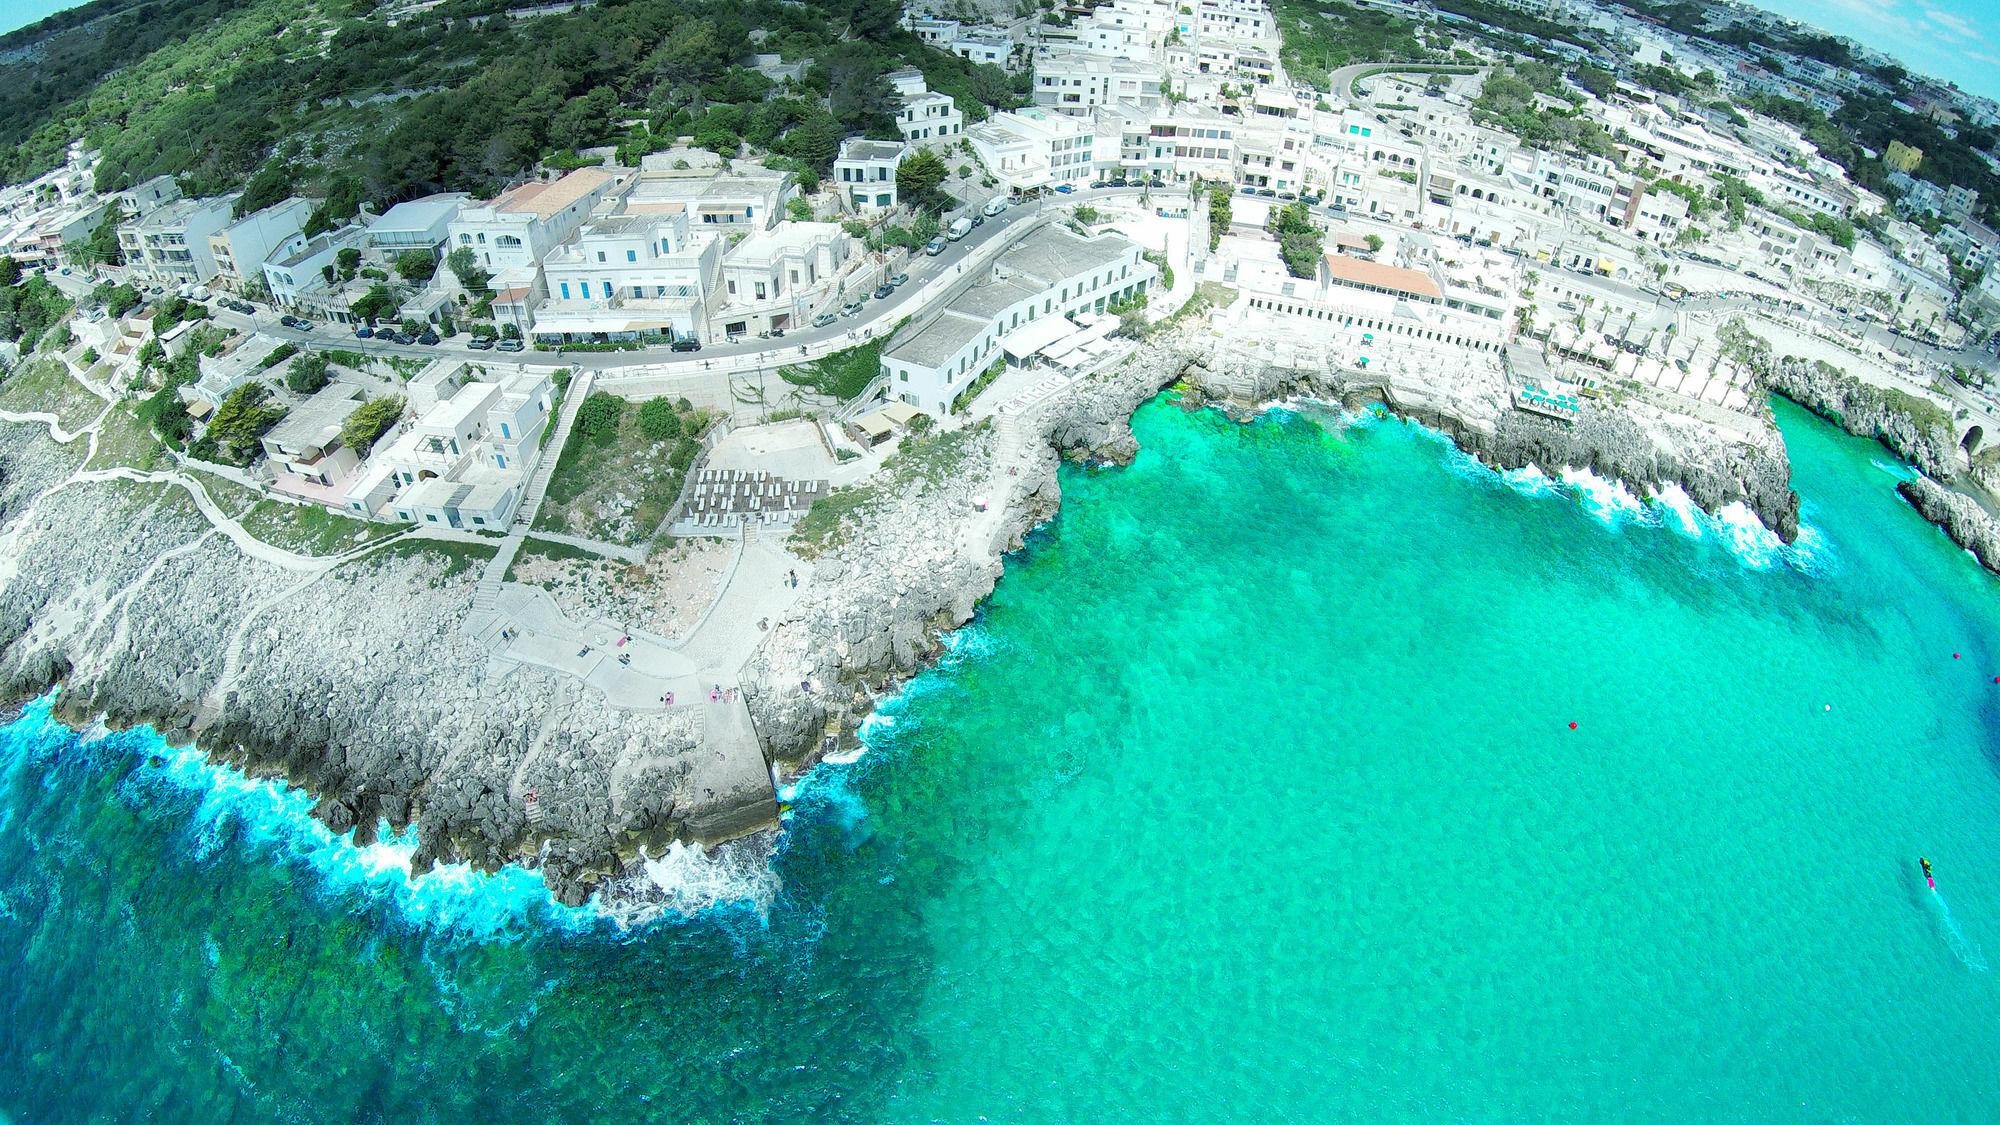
(428, 339)
(687, 344)
(977, 220)
(480, 343)
(884, 290)
(291, 321)
(1100, 183)
(363, 332)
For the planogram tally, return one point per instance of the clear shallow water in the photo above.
(1251, 795)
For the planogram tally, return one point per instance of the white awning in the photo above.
(1036, 335)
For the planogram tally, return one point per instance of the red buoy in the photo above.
(1954, 656)
(1572, 726)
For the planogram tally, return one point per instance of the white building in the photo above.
(643, 276)
(519, 226)
(416, 224)
(304, 451)
(170, 243)
(1051, 275)
(734, 197)
(241, 248)
(1031, 148)
(927, 117)
(866, 171)
(1077, 82)
(295, 278)
(464, 459)
(775, 279)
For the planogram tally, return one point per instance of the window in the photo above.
(600, 255)
(732, 289)
(565, 290)
(631, 255)
(607, 289)
(638, 292)
(503, 431)
(760, 290)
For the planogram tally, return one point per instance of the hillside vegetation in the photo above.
(324, 97)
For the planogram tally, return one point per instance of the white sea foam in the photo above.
(694, 879)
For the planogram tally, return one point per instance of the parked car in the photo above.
(1249, 191)
(687, 344)
(427, 339)
(1100, 183)
(824, 319)
(509, 346)
(935, 246)
(480, 343)
(1286, 196)
(1064, 189)
(363, 332)
(291, 321)
(851, 308)
(884, 290)
(994, 206)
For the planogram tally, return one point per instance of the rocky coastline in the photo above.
(354, 682)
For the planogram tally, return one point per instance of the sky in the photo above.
(21, 13)
(1957, 40)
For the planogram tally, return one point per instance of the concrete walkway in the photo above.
(635, 675)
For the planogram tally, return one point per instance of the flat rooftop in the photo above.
(1053, 253)
(941, 339)
(545, 201)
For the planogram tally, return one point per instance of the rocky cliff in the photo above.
(1916, 428)
(1959, 516)
(352, 681)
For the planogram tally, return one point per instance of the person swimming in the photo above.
(1927, 872)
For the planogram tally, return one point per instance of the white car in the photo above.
(994, 206)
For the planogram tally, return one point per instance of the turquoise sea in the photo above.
(1251, 795)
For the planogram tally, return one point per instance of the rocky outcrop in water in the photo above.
(1959, 516)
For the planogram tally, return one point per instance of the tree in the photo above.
(1299, 241)
(10, 272)
(917, 180)
(658, 420)
(1374, 244)
(349, 259)
(118, 299)
(101, 248)
(369, 422)
(246, 415)
(1218, 214)
(799, 210)
(465, 265)
(416, 265)
(307, 374)
(597, 418)
(376, 304)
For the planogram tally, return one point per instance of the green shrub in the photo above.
(597, 418)
(658, 420)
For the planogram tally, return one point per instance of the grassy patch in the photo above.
(234, 499)
(458, 557)
(123, 440)
(844, 374)
(44, 385)
(615, 484)
(534, 548)
(824, 526)
(310, 529)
